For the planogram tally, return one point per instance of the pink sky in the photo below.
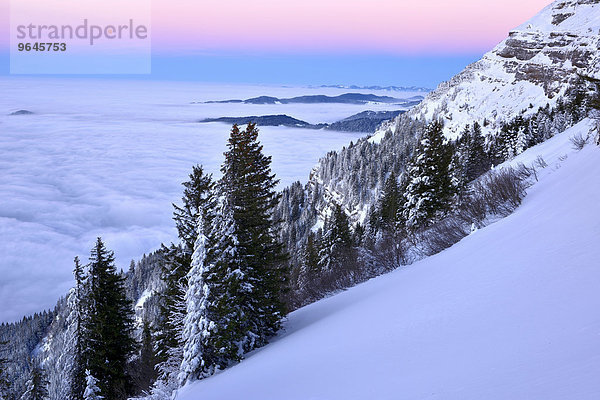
(324, 26)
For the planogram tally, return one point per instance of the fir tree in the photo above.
(201, 357)
(309, 271)
(534, 129)
(478, 161)
(524, 139)
(390, 203)
(469, 158)
(143, 370)
(358, 234)
(194, 196)
(338, 256)
(197, 198)
(235, 285)
(339, 228)
(169, 343)
(109, 327)
(310, 256)
(458, 168)
(506, 143)
(37, 385)
(79, 362)
(429, 187)
(91, 391)
(248, 187)
(592, 101)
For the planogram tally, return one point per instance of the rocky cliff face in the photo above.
(535, 65)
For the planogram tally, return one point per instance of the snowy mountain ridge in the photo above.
(534, 66)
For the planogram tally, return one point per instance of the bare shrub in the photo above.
(390, 250)
(524, 172)
(504, 190)
(578, 142)
(344, 272)
(496, 193)
(444, 234)
(533, 172)
(474, 206)
(540, 162)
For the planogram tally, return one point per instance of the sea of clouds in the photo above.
(107, 158)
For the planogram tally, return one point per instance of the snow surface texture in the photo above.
(107, 158)
(510, 312)
(534, 65)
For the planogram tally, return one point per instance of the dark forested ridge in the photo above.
(347, 98)
(366, 121)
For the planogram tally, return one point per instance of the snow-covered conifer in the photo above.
(92, 391)
(429, 186)
(108, 335)
(37, 385)
(234, 286)
(198, 325)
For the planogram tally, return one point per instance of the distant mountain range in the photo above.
(389, 88)
(366, 121)
(346, 98)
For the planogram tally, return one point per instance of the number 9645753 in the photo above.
(42, 47)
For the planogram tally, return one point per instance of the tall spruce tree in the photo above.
(143, 369)
(201, 357)
(169, 344)
(109, 325)
(248, 187)
(235, 285)
(79, 363)
(37, 385)
(429, 187)
(197, 199)
(337, 256)
(310, 256)
(338, 235)
(478, 161)
(390, 203)
(458, 168)
(194, 196)
(309, 271)
(469, 159)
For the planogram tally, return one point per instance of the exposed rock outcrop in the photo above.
(536, 64)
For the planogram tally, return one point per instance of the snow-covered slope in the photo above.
(510, 312)
(535, 65)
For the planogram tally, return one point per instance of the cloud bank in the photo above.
(107, 158)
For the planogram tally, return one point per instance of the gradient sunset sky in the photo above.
(320, 41)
